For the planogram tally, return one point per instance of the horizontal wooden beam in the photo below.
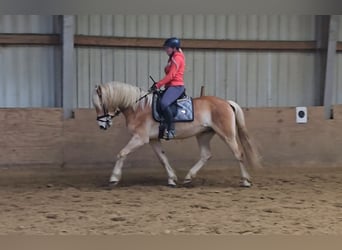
(81, 40)
(29, 39)
(106, 41)
(250, 45)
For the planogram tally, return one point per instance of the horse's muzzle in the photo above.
(104, 122)
(103, 127)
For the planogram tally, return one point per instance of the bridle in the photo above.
(106, 117)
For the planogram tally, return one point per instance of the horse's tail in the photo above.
(250, 150)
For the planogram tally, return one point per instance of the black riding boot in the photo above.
(170, 130)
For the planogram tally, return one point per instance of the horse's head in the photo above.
(104, 118)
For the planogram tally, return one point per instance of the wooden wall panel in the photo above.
(284, 142)
(281, 140)
(41, 136)
(337, 111)
(31, 136)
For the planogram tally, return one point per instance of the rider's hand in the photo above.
(152, 88)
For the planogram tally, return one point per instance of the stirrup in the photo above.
(169, 134)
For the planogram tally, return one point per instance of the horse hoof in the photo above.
(171, 183)
(188, 183)
(113, 184)
(245, 183)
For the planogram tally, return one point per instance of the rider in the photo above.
(173, 82)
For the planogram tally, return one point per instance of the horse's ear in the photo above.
(98, 90)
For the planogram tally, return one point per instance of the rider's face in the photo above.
(169, 50)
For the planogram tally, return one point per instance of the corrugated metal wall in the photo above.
(27, 73)
(250, 78)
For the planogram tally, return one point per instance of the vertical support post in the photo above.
(321, 33)
(57, 29)
(330, 69)
(68, 83)
(202, 91)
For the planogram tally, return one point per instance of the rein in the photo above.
(144, 96)
(99, 118)
(148, 92)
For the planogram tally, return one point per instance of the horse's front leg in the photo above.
(158, 149)
(135, 142)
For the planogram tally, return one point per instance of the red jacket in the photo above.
(174, 71)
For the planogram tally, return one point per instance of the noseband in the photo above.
(104, 118)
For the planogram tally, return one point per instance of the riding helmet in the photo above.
(172, 42)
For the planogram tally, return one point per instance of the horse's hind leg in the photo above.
(245, 177)
(203, 141)
(157, 147)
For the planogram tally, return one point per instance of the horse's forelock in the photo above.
(96, 98)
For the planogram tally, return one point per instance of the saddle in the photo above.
(182, 108)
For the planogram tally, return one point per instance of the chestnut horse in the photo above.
(212, 115)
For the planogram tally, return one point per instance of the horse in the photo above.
(212, 115)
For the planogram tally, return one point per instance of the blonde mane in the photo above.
(119, 95)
